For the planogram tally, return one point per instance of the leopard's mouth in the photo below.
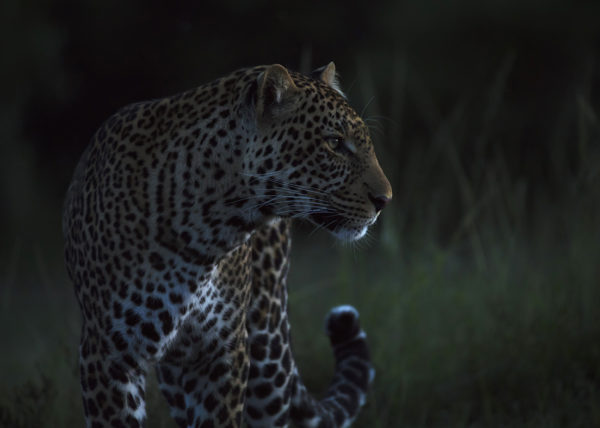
(329, 221)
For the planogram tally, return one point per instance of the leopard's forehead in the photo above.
(329, 106)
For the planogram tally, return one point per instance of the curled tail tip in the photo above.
(353, 373)
(343, 309)
(342, 324)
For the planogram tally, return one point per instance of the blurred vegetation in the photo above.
(480, 286)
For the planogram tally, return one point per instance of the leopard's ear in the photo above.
(328, 76)
(276, 90)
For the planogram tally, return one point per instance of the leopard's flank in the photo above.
(177, 239)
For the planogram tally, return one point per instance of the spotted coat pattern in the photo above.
(177, 240)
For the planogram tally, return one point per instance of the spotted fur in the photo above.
(177, 239)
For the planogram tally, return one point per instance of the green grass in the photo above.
(513, 345)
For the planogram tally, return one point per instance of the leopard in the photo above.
(177, 231)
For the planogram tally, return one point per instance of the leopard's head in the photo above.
(313, 156)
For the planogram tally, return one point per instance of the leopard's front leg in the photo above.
(205, 372)
(207, 393)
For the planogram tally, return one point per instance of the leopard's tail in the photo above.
(353, 374)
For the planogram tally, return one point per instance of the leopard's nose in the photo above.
(379, 201)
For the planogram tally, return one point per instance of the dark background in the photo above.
(484, 116)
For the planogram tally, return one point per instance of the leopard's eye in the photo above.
(336, 143)
(340, 145)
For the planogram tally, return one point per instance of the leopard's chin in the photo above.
(350, 234)
(341, 227)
